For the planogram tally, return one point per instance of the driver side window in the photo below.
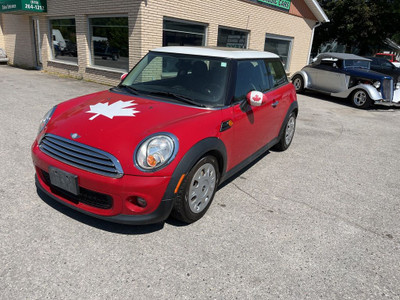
(251, 76)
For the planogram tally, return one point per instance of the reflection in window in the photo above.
(278, 74)
(183, 34)
(110, 42)
(64, 40)
(232, 38)
(281, 46)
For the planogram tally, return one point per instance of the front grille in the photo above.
(81, 156)
(387, 89)
(85, 196)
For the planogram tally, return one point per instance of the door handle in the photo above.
(275, 104)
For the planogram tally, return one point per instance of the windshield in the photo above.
(354, 63)
(181, 78)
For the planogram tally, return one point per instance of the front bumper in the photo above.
(159, 215)
(105, 197)
(395, 101)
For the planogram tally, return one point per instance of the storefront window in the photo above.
(183, 34)
(232, 38)
(64, 40)
(280, 45)
(109, 41)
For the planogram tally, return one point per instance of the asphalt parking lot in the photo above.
(319, 221)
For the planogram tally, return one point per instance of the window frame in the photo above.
(90, 45)
(188, 22)
(282, 38)
(247, 32)
(50, 40)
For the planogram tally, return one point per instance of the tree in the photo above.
(361, 25)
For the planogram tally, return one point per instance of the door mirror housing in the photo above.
(123, 76)
(255, 98)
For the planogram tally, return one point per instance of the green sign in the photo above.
(23, 5)
(282, 4)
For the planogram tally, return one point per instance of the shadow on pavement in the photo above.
(98, 223)
(346, 102)
(241, 171)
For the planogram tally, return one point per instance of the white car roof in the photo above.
(217, 52)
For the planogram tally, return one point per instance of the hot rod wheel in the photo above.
(298, 83)
(360, 99)
(197, 191)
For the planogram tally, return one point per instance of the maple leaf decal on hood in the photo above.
(119, 108)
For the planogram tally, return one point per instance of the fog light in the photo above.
(141, 202)
(136, 202)
(377, 84)
(398, 86)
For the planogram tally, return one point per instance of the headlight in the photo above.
(156, 151)
(398, 86)
(46, 119)
(377, 84)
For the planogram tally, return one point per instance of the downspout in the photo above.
(312, 40)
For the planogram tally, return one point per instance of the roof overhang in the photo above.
(317, 10)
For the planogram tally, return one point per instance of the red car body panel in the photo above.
(121, 135)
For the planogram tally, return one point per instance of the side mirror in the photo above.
(123, 76)
(255, 98)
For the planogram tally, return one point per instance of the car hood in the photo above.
(395, 73)
(117, 123)
(366, 74)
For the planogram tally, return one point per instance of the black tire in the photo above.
(298, 83)
(287, 134)
(360, 99)
(201, 181)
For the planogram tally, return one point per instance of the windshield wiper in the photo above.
(128, 88)
(178, 97)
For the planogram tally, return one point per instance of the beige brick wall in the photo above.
(259, 20)
(146, 30)
(18, 40)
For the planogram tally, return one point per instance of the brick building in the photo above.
(100, 40)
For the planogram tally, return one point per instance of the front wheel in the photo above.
(197, 191)
(360, 99)
(288, 134)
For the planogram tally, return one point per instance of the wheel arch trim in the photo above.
(369, 89)
(212, 146)
(303, 75)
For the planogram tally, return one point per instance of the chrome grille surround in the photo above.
(81, 156)
(387, 89)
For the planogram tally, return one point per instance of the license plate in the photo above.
(64, 180)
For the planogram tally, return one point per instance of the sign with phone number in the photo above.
(280, 4)
(23, 5)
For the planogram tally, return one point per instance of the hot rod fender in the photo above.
(371, 90)
(304, 75)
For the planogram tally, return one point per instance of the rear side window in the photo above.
(278, 75)
(251, 75)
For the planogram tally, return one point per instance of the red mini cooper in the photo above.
(180, 123)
